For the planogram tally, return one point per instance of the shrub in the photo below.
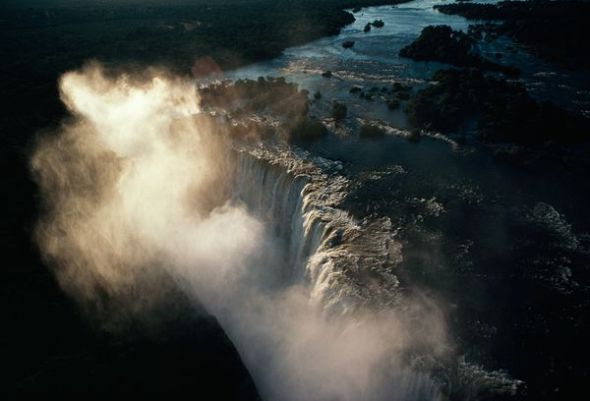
(339, 111)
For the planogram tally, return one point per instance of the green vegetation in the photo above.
(356, 89)
(504, 111)
(270, 96)
(371, 131)
(339, 111)
(306, 130)
(554, 30)
(268, 99)
(393, 104)
(403, 95)
(441, 43)
(398, 87)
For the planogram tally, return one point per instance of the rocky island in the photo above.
(441, 43)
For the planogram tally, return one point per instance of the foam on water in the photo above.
(300, 195)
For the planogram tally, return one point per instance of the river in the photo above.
(497, 244)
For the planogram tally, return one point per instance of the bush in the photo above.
(356, 89)
(393, 104)
(307, 129)
(397, 87)
(504, 111)
(403, 96)
(339, 111)
(371, 131)
(441, 43)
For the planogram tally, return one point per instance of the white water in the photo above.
(347, 265)
(318, 313)
(137, 187)
(299, 197)
(340, 309)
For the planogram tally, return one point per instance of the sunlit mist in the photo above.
(137, 184)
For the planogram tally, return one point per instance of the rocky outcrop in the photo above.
(440, 43)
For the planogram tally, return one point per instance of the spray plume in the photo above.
(138, 185)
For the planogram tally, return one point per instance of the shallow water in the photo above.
(374, 61)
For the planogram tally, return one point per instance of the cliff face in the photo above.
(54, 351)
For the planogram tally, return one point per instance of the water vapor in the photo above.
(137, 185)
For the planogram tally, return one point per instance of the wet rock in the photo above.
(348, 44)
(327, 74)
(367, 27)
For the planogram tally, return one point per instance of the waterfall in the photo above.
(346, 267)
(137, 188)
(275, 197)
(299, 197)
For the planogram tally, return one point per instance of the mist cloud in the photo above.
(137, 184)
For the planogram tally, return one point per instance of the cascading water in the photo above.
(136, 187)
(345, 272)
(275, 196)
(343, 268)
(299, 197)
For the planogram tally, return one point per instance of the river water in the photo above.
(487, 239)
(435, 167)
